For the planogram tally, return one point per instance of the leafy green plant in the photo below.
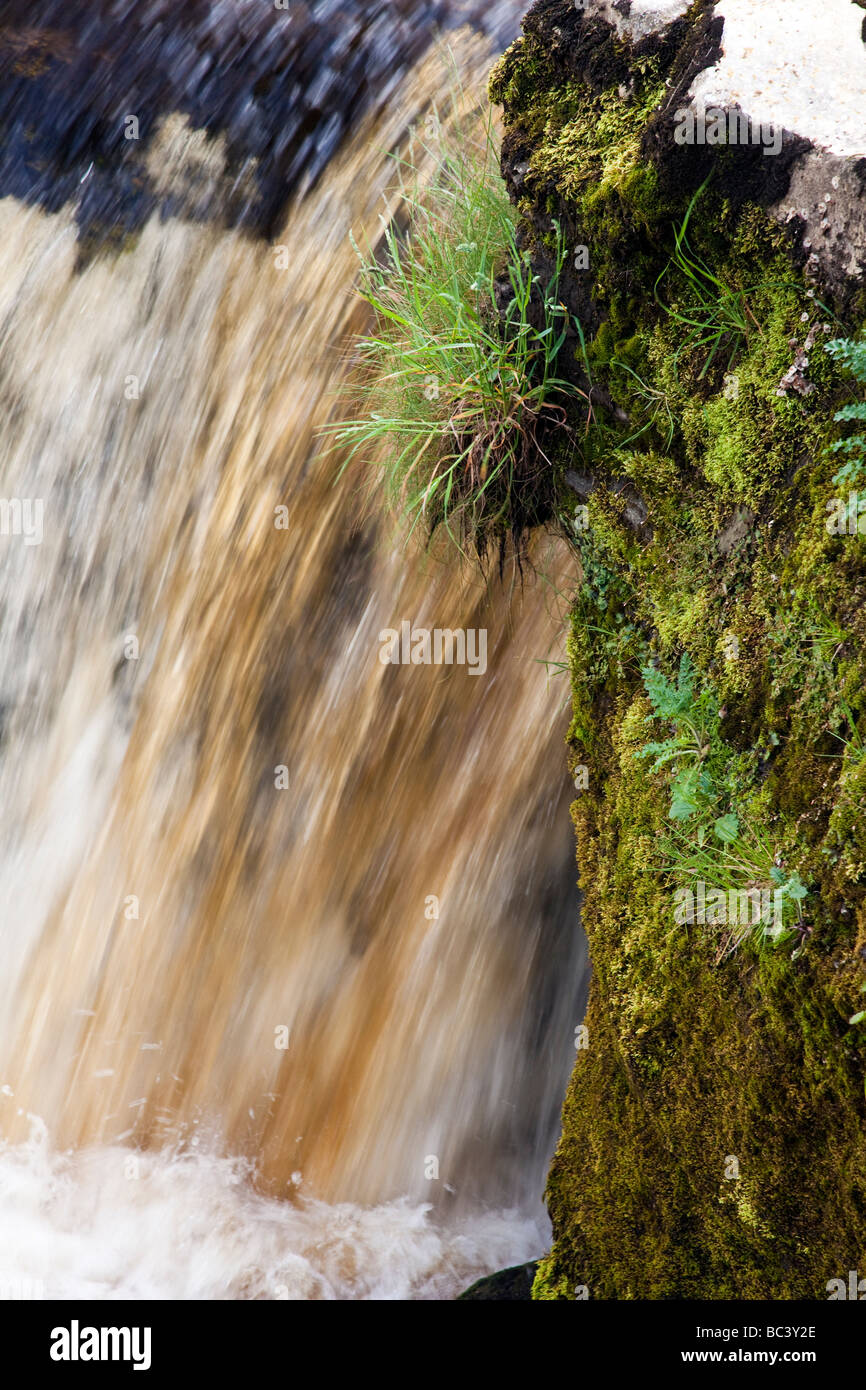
(790, 888)
(711, 839)
(457, 382)
(852, 356)
(694, 717)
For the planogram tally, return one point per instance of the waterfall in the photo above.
(291, 944)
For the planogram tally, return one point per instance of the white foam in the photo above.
(191, 1227)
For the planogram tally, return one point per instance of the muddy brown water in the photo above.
(259, 1041)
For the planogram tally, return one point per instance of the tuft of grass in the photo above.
(738, 858)
(457, 394)
(718, 316)
(853, 751)
(804, 649)
(655, 402)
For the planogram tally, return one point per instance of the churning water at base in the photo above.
(240, 1057)
(192, 1227)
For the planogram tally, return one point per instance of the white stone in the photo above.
(797, 65)
(645, 17)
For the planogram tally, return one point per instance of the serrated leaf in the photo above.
(684, 794)
(669, 700)
(727, 828)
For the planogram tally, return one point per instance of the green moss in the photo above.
(547, 1287)
(589, 144)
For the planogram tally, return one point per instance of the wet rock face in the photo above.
(280, 86)
(508, 1286)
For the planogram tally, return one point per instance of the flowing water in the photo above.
(240, 1053)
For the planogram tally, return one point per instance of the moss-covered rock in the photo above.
(507, 1286)
(713, 1132)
